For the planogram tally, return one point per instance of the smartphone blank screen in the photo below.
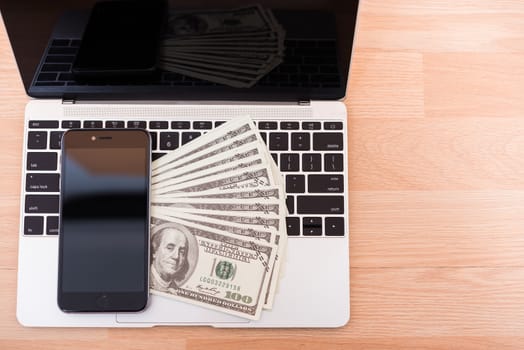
(104, 222)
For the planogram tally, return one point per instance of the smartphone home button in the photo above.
(102, 301)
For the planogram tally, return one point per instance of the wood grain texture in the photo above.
(436, 136)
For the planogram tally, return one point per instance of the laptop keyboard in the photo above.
(309, 155)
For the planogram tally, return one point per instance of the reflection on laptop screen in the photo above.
(269, 50)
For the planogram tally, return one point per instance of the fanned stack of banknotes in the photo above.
(218, 211)
(231, 47)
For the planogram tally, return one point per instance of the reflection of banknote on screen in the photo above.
(235, 47)
(221, 187)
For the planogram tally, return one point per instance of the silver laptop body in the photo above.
(314, 289)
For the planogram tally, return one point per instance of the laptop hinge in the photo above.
(304, 103)
(68, 101)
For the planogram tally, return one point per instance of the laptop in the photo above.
(297, 107)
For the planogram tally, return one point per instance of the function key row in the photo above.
(200, 125)
(137, 124)
(291, 125)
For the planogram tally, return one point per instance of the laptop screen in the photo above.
(182, 50)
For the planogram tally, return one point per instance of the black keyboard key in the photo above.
(325, 183)
(300, 141)
(154, 140)
(157, 124)
(289, 125)
(202, 125)
(293, 226)
(33, 225)
(311, 162)
(46, 203)
(289, 162)
(333, 162)
(290, 202)
(320, 204)
(189, 136)
(328, 141)
(55, 140)
(312, 221)
(311, 125)
(312, 231)
(168, 140)
(93, 124)
(332, 125)
(62, 51)
(52, 67)
(60, 42)
(59, 59)
(278, 141)
(43, 124)
(52, 225)
(37, 140)
(136, 124)
(295, 184)
(42, 182)
(217, 124)
(156, 155)
(71, 124)
(66, 77)
(180, 125)
(335, 226)
(42, 161)
(115, 124)
(267, 125)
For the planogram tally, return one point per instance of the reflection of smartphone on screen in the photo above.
(104, 220)
(120, 40)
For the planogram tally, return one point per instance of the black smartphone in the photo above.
(120, 40)
(104, 220)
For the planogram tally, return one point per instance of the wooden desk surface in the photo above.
(436, 135)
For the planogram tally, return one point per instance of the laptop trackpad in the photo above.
(162, 310)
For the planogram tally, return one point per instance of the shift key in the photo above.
(41, 204)
(320, 204)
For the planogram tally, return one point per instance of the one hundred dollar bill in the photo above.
(244, 230)
(241, 223)
(212, 268)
